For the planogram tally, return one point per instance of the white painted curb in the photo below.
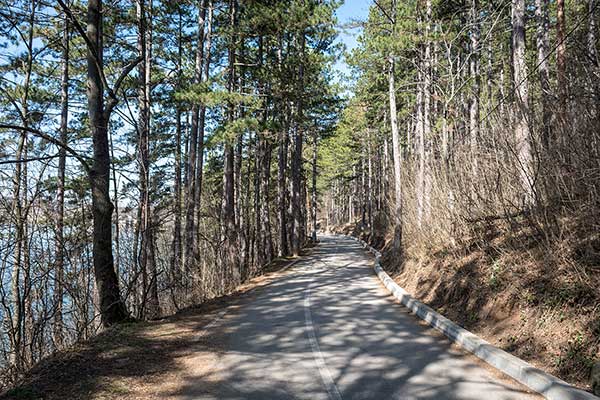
(537, 380)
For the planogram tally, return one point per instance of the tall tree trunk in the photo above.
(591, 38)
(522, 132)
(543, 31)
(111, 305)
(282, 192)
(150, 304)
(27, 298)
(60, 196)
(245, 222)
(282, 164)
(239, 200)
(264, 240)
(313, 197)
(363, 187)
(296, 167)
(202, 121)
(176, 248)
(228, 211)
(258, 191)
(420, 150)
(370, 183)
(397, 159)
(19, 277)
(561, 62)
(427, 137)
(475, 88)
(190, 188)
(420, 133)
(265, 227)
(17, 317)
(593, 52)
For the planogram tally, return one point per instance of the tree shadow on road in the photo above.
(260, 349)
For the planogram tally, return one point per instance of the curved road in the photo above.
(327, 330)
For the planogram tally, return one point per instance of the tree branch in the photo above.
(50, 139)
(26, 160)
(392, 20)
(112, 97)
(86, 39)
(112, 102)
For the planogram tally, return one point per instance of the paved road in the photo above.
(327, 330)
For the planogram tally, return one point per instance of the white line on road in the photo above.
(332, 390)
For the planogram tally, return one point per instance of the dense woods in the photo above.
(154, 155)
(469, 111)
(157, 154)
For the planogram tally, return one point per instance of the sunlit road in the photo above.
(328, 330)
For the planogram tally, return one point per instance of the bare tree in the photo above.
(396, 154)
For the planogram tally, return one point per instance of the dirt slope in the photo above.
(537, 304)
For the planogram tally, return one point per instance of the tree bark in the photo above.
(593, 53)
(542, 40)
(397, 159)
(20, 268)
(522, 132)
(150, 305)
(282, 192)
(265, 227)
(313, 197)
(475, 79)
(176, 248)
(192, 159)
(282, 152)
(264, 239)
(231, 256)
(296, 167)
(202, 120)
(370, 182)
(60, 195)
(111, 305)
(427, 137)
(561, 61)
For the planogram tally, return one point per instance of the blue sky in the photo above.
(349, 11)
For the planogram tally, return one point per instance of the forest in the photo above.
(152, 156)
(158, 154)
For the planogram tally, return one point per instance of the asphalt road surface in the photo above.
(328, 330)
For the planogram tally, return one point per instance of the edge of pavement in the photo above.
(547, 385)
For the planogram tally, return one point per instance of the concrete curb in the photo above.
(535, 379)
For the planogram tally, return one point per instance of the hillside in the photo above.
(507, 286)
